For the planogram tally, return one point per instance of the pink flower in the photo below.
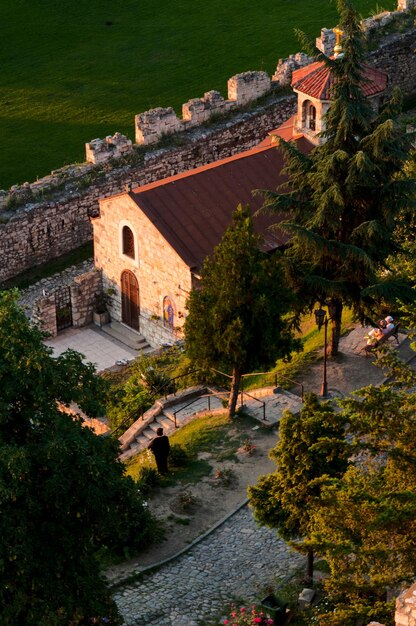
(257, 620)
(270, 622)
(226, 621)
(242, 609)
(234, 614)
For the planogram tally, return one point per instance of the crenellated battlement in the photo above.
(101, 150)
(242, 88)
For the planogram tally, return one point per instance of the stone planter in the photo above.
(276, 609)
(100, 319)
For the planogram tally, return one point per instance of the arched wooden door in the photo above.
(130, 309)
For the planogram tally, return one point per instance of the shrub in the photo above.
(153, 378)
(148, 479)
(178, 456)
(225, 477)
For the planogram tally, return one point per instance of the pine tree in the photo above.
(236, 318)
(346, 195)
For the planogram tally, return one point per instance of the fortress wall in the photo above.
(242, 88)
(397, 57)
(38, 233)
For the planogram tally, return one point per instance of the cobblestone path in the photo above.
(236, 560)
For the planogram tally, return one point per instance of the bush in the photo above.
(153, 377)
(148, 479)
(178, 456)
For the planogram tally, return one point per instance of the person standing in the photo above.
(160, 447)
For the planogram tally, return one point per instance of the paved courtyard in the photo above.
(96, 346)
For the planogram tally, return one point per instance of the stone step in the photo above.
(164, 421)
(148, 433)
(142, 442)
(127, 336)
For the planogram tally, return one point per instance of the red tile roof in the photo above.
(316, 80)
(193, 209)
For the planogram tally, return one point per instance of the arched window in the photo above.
(308, 115)
(312, 117)
(168, 313)
(128, 242)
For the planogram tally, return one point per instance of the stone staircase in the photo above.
(190, 403)
(186, 405)
(127, 336)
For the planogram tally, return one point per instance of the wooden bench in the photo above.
(394, 332)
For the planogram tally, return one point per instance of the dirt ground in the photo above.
(190, 510)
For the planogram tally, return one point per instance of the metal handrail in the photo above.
(206, 395)
(241, 392)
(275, 376)
(257, 400)
(171, 380)
(123, 423)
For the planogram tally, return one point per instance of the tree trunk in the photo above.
(336, 325)
(235, 386)
(309, 567)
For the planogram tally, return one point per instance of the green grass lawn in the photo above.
(215, 434)
(73, 71)
(313, 343)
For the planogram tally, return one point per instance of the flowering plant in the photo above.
(248, 446)
(247, 617)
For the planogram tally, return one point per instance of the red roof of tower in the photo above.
(316, 80)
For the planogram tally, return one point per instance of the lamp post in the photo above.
(322, 320)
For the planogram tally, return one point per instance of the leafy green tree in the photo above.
(63, 493)
(346, 195)
(150, 378)
(236, 318)
(310, 451)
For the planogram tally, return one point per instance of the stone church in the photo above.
(150, 242)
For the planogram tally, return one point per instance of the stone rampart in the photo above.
(242, 88)
(101, 150)
(397, 57)
(38, 233)
(406, 608)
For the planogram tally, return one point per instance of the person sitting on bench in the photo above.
(373, 336)
(382, 324)
(389, 323)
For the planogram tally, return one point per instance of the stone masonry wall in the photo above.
(44, 314)
(406, 608)
(397, 57)
(242, 88)
(38, 232)
(84, 289)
